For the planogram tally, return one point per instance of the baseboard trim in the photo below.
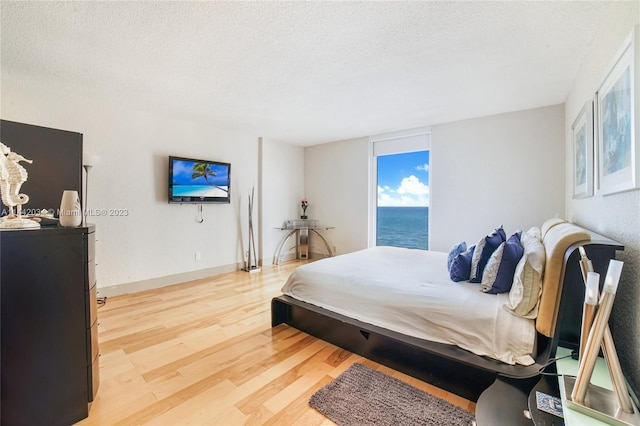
(153, 283)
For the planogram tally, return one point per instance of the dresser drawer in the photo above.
(91, 298)
(91, 274)
(93, 348)
(92, 339)
(91, 246)
(93, 378)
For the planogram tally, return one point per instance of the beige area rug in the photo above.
(363, 396)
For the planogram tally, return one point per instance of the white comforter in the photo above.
(409, 291)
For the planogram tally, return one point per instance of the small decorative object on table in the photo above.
(304, 204)
(613, 407)
(70, 214)
(12, 176)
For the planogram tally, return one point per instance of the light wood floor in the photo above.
(204, 352)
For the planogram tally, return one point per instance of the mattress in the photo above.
(409, 291)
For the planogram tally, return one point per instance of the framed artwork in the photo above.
(582, 145)
(617, 121)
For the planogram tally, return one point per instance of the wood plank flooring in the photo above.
(204, 352)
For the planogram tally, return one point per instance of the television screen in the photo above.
(199, 181)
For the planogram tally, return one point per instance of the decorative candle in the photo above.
(589, 308)
(585, 263)
(613, 276)
(591, 292)
(600, 324)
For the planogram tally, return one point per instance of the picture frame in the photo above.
(582, 146)
(617, 120)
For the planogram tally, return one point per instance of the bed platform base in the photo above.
(447, 366)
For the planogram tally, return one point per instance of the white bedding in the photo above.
(409, 291)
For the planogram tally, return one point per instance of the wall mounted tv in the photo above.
(199, 181)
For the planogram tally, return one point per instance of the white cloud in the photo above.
(423, 167)
(412, 185)
(410, 193)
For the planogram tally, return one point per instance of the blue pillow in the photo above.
(455, 250)
(511, 255)
(461, 266)
(491, 243)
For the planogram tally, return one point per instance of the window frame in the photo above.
(411, 140)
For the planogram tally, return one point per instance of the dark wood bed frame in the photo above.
(447, 366)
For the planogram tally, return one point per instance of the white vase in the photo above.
(70, 214)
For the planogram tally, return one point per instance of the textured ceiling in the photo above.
(306, 72)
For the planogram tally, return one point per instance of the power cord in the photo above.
(200, 217)
(551, 361)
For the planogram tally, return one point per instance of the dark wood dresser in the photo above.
(49, 331)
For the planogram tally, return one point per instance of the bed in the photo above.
(409, 291)
(399, 307)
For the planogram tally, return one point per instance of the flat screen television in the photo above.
(199, 181)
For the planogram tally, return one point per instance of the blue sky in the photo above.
(403, 180)
(182, 171)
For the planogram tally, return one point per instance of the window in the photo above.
(399, 199)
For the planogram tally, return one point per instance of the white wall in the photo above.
(336, 185)
(505, 169)
(618, 215)
(155, 240)
(282, 171)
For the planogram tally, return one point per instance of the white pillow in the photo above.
(491, 270)
(475, 259)
(535, 232)
(524, 295)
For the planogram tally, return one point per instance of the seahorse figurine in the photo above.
(5, 186)
(12, 176)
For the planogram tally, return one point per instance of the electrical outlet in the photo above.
(198, 255)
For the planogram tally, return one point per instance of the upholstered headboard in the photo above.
(557, 236)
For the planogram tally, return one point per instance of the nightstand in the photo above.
(506, 400)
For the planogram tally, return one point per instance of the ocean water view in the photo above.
(403, 227)
(199, 190)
